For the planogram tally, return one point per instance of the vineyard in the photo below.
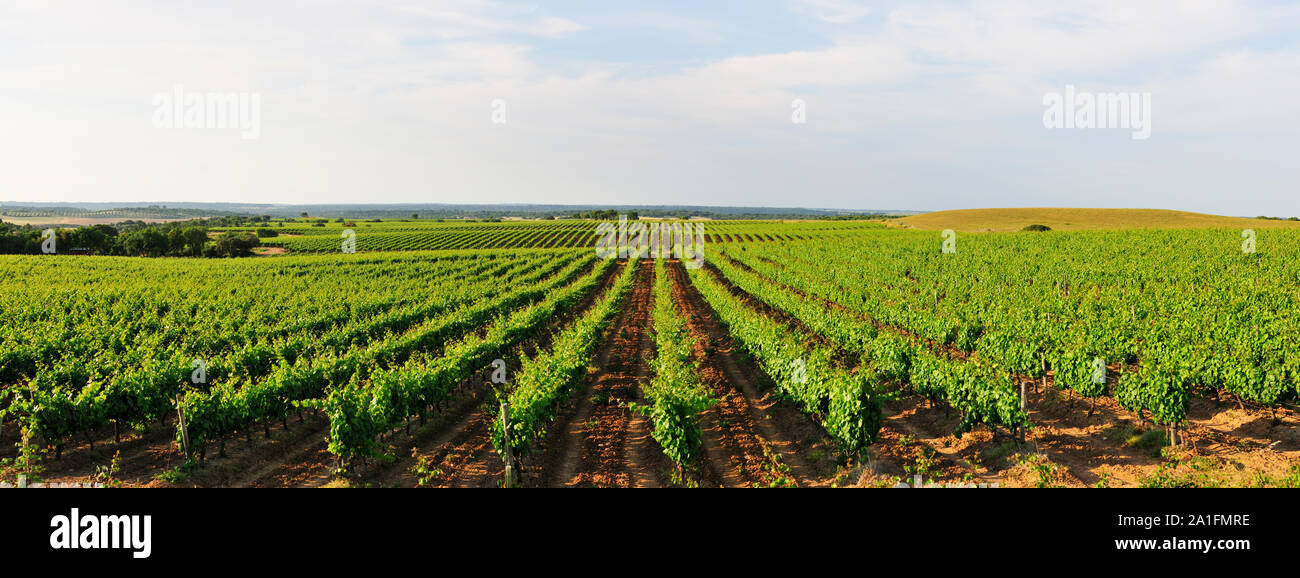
(422, 353)
(317, 236)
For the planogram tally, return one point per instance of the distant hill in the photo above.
(167, 210)
(66, 215)
(1060, 219)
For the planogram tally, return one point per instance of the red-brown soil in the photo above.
(1082, 438)
(598, 441)
(750, 431)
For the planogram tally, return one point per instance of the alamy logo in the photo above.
(200, 373)
(1098, 371)
(949, 244)
(102, 532)
(499, 371)
(1131, 110)
(799, 371)
(349, 241)
(181, 109)
(658, 241)
(48, 241)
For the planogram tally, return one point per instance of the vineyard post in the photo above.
(185, 434)
(1042, 359)
(505, 428)
(499, 378)
(27, 458)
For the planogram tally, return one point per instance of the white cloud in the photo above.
(833, 11)
(467, 18)
(1242, 92)
(1098, 36)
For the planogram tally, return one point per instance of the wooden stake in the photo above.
(27, 458)
(505, 428)
(1042, 358)
(185, 433)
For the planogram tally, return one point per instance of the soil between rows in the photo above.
(1087, 450)
(597, 441)
(751, 436)
(463, 454)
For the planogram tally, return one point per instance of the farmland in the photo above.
(1074, 219)
(814, 353)
(315, 236)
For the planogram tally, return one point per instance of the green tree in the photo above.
(145, 242)
(195, 238)
(232, 244)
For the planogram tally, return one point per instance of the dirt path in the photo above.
(750, 437)
(140, 456)
(597, 441)
(254, 465)
(464, 456)
(144, 458)
(1083, 449)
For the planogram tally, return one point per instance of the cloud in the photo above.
(833, 11)
(934, 105)
(450, 19)
(1243, 92)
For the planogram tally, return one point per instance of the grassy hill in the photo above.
(978, 220)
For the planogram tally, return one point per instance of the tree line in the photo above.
(136, 239)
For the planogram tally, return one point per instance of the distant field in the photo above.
(79, 221)
(979, 220)
(78, 217)
(324, 236)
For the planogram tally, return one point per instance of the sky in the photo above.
(905, 105)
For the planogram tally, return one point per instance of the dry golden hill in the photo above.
(978, 220)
